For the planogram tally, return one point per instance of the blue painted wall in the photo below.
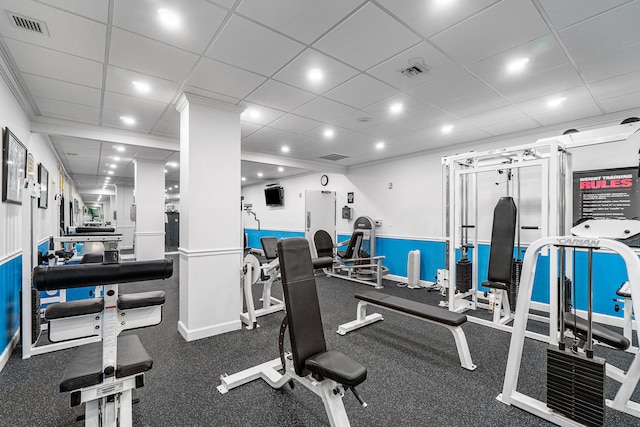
(255, 235)
(10, 280)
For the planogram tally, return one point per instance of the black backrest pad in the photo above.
(269, 247)
(324, 243)
(502, 240)
(79, 275)
(301, 300)
(354, 244)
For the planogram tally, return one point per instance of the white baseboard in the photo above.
(208, 331)
(4, 357)
(402, 279)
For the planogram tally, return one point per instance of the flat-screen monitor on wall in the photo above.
(274, 196)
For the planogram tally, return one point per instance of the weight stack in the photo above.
(575, 386)
(35, 316)
(463, 275)
(512, 293)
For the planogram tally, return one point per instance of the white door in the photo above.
(320, 214)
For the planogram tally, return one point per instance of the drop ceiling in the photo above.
(258, 53)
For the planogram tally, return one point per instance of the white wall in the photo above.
(124, 224)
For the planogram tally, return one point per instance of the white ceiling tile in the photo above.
(63, 91)
(56, 65)
(270, 136)
(225, 79)
(509, 127)
(493, 117)
(153, 154)
(247, 128)
(252, 47)
(568, 114)
(121, 81)
(608, 31)
(97, 10)
(578, 101)
(312, 18)
(293, 123)
(361, 91)
(611, 63)
(295, 73)
(159, 59)
(623, 102)
(323, 109)
(259, 114)
(431, 17)
(616, 86)
(67, 110)
(167, 128)
(227, 4)
(438, 65)
(138, 108)
(499, 28)
(278, 95)
(340, 136)
(209, 94)
(354, 120)
(68, 32)
(144, 123)
(385, 131)
(368, 37)
(199, 21)
(567, 12)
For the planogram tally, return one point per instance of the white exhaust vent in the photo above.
(416, 68)
(334, 157)
(29, 24)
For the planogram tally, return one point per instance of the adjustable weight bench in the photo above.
(103, 374)
(417, 310)
(327, 373)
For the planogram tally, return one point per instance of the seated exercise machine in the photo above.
(103, 374)
(575, 377)
(355, 263)
(327, 373)
(435, 315)
(265, 270)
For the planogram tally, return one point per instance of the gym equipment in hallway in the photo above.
(358, 262)
(327, 373)
(103, 374)
(427, 313)
(564, 368)
(260, 269)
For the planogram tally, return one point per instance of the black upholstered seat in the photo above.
(140, 299)
(600, 333)
(308, 344)
(503, 234)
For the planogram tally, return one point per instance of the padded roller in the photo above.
(77, 276)
(84, 230)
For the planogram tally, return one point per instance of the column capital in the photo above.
(187, 98)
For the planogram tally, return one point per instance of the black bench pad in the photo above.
(140, 299)
(85, 369)
(624, 291)
(495, 285)
(338, 367)
(599, 332)
(322, 262)
(429, 312)
(74, 308)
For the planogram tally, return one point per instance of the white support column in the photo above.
(211, 246)
(149, 199)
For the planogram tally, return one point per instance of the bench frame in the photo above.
(329, 391)
(251, 273)
(362, 319)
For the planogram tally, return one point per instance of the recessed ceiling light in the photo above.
(165, 190)
(259, 174)
(284, 149)
(175, 186)
(116, 159)
(173, 164)
(119, 148)
(113, 166)
(169, 19)
(142, 87)
(328, 133)
(396, 108)
(379, 145)
(243, 178)
(108, 178)
(555, 102)
(110, 172)
(128, 120)
(315, 75)
(280, 169)
(252, 113)
(447, 128)
(517, 65)
(166, 171)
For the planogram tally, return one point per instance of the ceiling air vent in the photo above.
(28, 24)
(416, 68)
(334, 157)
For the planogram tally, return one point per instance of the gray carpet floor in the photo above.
(414, 374)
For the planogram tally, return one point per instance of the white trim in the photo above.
(191, 98)
(186, 253)
(208, 331)
(148, 233)
(5, 259)
(4, 357)
(402, 279)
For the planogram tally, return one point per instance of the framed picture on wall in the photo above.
(14, 168)
(43, 180)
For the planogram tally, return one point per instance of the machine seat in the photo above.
(599, 332)
(140, 299)
(336, 366)
(624, 290)
(496, 285)
(85, 369)
(322, 262)
(429, 312)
